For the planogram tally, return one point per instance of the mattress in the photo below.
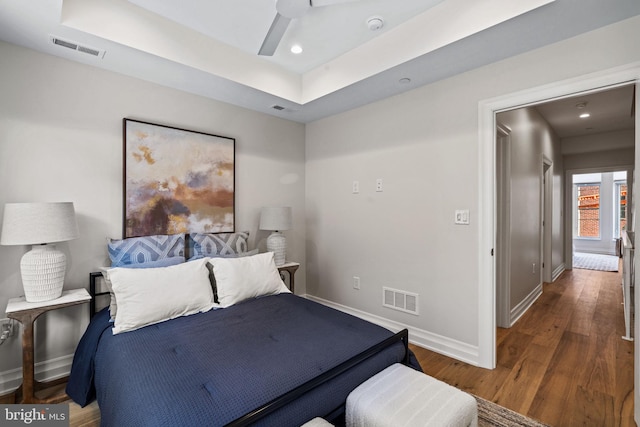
(211, 368)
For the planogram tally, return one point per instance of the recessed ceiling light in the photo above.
(585, 115)
(404, 81)
(581, 105)
(296, 48)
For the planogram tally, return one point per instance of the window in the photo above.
(620, 216)
(588, 210)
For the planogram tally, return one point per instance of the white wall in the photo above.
(424, 144)
(61, 140)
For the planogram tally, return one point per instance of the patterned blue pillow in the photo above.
(217, 245)
(138, 250)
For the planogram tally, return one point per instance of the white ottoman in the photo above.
(317, 422)
(400, 396)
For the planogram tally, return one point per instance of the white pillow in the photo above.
(165, 262)
(152, 295)
(238, 279)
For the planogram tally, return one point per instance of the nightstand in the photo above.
(290, 268)
(27, 313)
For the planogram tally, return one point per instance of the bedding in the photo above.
(136, 250)
(152, 295)
(211, 368)
(164, 262)
(238, 279)
(219, 245)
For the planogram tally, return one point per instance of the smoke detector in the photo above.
(375, 23)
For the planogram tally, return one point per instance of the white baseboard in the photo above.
(523, 306)
(47, 370)
(557, 272)
(438, 343)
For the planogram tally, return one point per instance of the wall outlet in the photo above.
(379, 185)
(355, 187)
(7, 329)
(356, 282)
(533, 268)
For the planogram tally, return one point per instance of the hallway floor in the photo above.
(564, 362)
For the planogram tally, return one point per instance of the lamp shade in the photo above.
(275, 219)
(43, 267)
(38, 223)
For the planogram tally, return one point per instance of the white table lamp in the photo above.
(277, 220)
(38, 224)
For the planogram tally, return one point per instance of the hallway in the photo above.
(564, 362)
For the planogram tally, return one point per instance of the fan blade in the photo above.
(319, 3)
(274, 35)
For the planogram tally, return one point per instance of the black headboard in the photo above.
(92, 291)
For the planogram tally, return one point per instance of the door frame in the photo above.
(487, 110)
(503, 232)
(546, 225)
(570, 201)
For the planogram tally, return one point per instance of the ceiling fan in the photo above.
(288, 10)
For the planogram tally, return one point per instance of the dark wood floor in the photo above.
(563, 363)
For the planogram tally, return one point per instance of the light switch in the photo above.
(462, 216)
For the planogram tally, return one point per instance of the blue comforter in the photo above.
(211, 368)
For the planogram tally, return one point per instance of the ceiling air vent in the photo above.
(78, 47)
(277, 107)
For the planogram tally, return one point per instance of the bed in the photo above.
(271, 359)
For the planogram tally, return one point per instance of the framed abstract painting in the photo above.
(177, 180)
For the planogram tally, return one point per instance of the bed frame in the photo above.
(279, 402)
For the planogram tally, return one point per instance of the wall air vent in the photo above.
(400, 300)
(277, 107)
(78, 47)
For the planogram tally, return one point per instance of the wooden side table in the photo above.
(27, 313)
(290, 268)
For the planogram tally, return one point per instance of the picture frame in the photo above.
(176, 180)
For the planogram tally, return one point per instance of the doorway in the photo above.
(627, 75)
(599, 210)
(488, 109)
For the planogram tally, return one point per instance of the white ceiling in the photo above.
(609, 110)
(324, 32)
(209, 47)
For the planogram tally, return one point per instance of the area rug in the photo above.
(492, 415)
(595, 261)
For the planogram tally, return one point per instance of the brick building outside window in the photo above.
(588, 210)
